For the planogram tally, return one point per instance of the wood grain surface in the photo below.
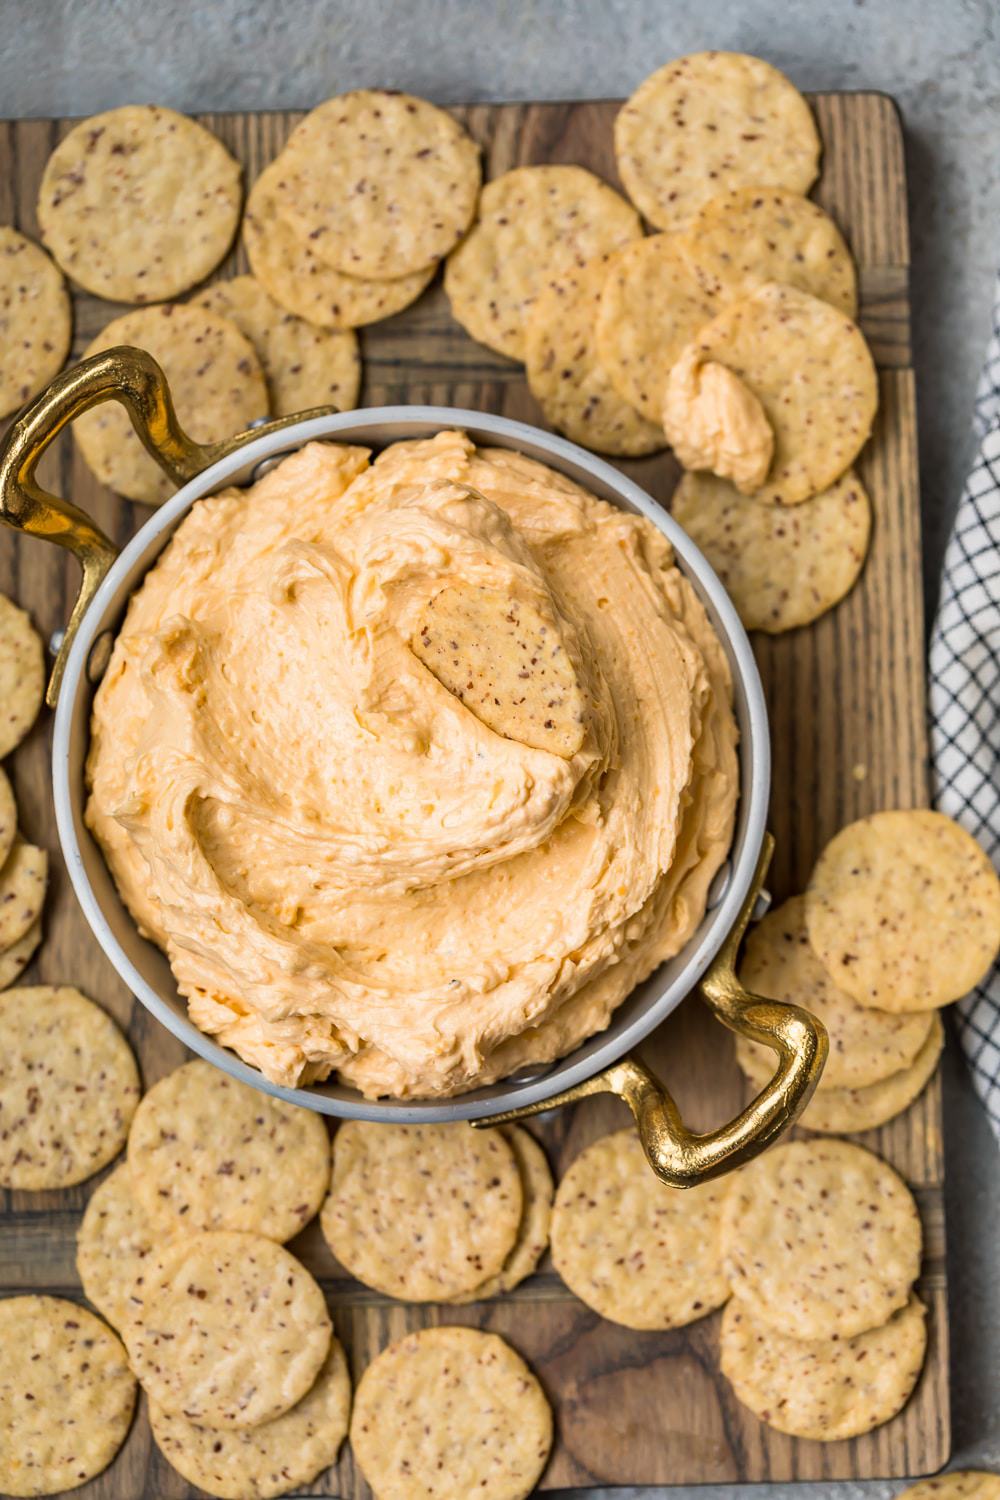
(846, 699)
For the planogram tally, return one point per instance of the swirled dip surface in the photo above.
(349, 870)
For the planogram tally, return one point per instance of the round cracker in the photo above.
(708, 122)
(208, 1152)
(960, 1484)
(139, 204)
(536, 225)
(845, 1111)
(903, 909)
(537, 1189)
(256, 1463)
(821, 1239)
(304, 366)
(113, 1242)
(566, 377)
(36, 320)
(813, 373)
(305, 285)
(23, 881)
(66, 1395)
(782, 567)
(447, 1413)
(422, 1212)
(228, 1330)
(8, 817)
(826, 1390)
(751, 235)
(22, 674)
(651, 307)
(506, 660)
(866, 1046)
(380, 184)
(69, 1086)
(636, 1251)
(15, 959)
(215, 379)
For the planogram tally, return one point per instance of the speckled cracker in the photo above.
(903, 908)
(228, 1330)
(636, 1251)
(651, 307)
(821, 1238)
(15, 959)
(844, 1111)
(215, 379)
(23, 882)
(208, 1152)
(836, 1388)
(380, 184)
(69, 1086)
(709, 122)
(536, 225)
(66, 1395)
(447, 1413)
(36, 321)
(113, 1242)
(537, 1189)
(256, 1463)
(505, 659)
(22, 674)
(866, 1045)
(303, 284)
(781, 566)
(751, 235)
(139, 203)
(960, 1484)
(812, 371)
(422, 1212)
(304, 366)
(566, 377)
(8, 817)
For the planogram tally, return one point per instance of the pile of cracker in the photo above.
(450, 1215)
(24, 868)
(192, 1225)
(813, 1249)
(727, 332)
(182, 1250)
(140, 204)
(901, 916)
(69, 1086)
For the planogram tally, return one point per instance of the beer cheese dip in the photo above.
(367, 845)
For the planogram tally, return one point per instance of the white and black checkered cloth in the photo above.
(965, 696)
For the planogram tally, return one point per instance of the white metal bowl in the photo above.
(143, 966)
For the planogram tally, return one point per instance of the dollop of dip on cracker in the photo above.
(714, 421)
(413, 767)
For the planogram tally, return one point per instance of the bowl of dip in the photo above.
(317, 827)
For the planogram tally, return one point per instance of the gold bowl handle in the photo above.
(133, 378)
(677, 1155)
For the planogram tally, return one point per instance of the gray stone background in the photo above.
(940, 59)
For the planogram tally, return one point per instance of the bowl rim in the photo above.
(604, 1048)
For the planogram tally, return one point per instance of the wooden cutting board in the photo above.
(846, 699)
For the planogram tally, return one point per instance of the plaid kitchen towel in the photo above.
(964, 696)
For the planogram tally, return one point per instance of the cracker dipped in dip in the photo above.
(413, 768)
